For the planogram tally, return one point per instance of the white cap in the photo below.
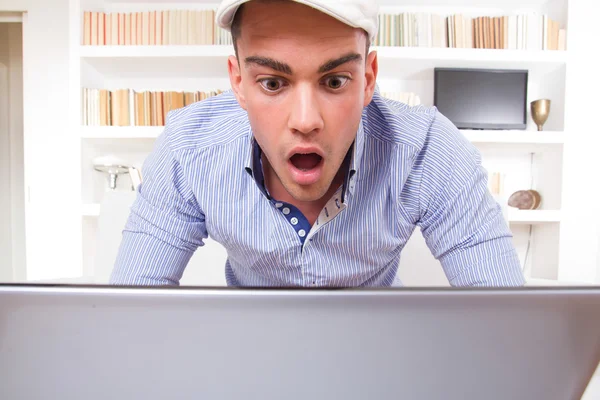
(356, 13)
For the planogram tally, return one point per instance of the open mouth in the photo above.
(306, 168)
(305, 162)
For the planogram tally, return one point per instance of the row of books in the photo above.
(127, 107)
(515, 32)
(197, 27)
(164, 27)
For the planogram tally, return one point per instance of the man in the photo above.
(305, 174)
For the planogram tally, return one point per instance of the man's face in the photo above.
(304, 81)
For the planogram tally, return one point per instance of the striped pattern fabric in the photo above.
(410, 167)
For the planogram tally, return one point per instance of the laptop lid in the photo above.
(70, 342)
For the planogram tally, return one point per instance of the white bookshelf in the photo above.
(184, 67)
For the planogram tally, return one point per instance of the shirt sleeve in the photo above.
(461, 222)
(165, 225)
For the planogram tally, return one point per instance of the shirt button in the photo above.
(286, 211)
(302, 233)
(278, 205)
(294, 221)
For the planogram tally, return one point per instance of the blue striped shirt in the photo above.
(408, 167)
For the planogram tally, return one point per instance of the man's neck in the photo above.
(310, 209)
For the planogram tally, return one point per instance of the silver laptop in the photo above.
(75, 342)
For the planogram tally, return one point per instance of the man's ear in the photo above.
(371, 69)
(235, 78)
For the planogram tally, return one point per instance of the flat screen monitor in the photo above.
(482, 98)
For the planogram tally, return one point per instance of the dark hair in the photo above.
(236, 31)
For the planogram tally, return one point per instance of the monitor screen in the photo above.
(482, 99)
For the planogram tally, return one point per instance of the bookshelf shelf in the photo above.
(489, 137)
(170, 51)
(514, 137)
(533, 217)
(409, 62)
(121, 132)
(401, 62)
(387, 52)
(534, 57)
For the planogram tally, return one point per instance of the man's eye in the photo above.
(336, 82)
(272, 85)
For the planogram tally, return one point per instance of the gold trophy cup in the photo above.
(540, 109)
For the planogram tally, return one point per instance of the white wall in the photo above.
(51, 147)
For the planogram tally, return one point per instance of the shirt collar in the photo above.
(357, 151)
(254, 166)
(352, 162)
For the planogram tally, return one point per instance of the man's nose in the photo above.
(305, 116)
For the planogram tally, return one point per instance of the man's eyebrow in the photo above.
(331, 64)
(269, 62)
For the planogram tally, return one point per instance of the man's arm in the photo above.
(461, 222)
(165, 225)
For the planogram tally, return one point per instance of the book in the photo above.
(128, 107)
(523, 31)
